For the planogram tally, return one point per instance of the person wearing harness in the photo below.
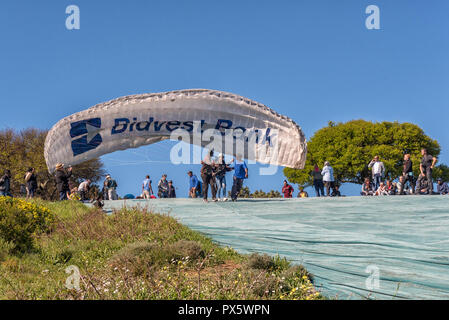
(207, 174)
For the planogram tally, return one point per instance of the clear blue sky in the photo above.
(311, 60)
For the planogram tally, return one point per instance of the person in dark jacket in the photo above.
(220, 170)
(442, 187)
(31, 183)
(62, 181)
(426, 167)
(5, 184)
(171, 190)
(318, 181)
(208, 176)
(407, 173)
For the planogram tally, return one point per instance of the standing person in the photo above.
(207, 174)
(407, 173)
(328, 178)
(147, 189)
(287, 190)
(62, 181)
(171, 190)
(194, 185)
(31, 183)
(377, 171)
(318, 181)
(83, 189)
(162, 187)
(105, 191)
(220, 174)
(442, 187)
(240, 173)
(5, 184)
(112, 188)
(426, 166)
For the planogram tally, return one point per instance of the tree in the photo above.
(350, 146)
(22, 150)
(246, 193)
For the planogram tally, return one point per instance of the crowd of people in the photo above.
(376, 185)
(406, 184)
(213, 176)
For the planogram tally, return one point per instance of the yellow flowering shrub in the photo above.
(20, 220)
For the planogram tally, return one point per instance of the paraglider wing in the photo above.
(133, 121)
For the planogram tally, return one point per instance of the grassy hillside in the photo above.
(134, 254)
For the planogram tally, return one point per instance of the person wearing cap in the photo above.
(171, 190)
(112, 188)
(442, 187)
(62, 177)
(328, 178)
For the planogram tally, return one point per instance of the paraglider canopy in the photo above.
(199, 115)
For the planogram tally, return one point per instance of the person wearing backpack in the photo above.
(31, 183)
(5, 184)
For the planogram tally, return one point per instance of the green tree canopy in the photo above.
(22, 150)
(350, 146)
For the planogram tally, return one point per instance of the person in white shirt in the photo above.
(377, 170)
(328, 178)
(83, 189)
(382, 190)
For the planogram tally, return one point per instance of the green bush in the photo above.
(267, 263)
(141, 257)
(21, 220)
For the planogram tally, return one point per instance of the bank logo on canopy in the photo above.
(85, 135)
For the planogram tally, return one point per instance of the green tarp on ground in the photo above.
(405, 238)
